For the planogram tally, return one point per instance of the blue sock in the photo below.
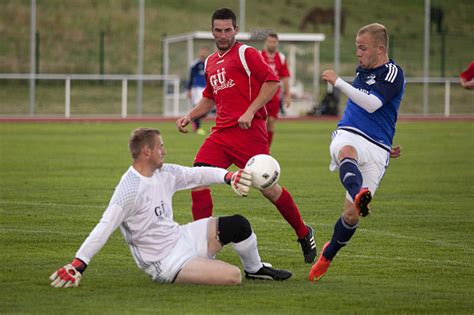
(350, 176)
(341, 236)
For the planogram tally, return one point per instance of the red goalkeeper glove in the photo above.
(240, 181)
(69, 275)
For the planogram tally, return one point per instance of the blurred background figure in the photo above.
(467, 76)
(277, 62)
(196, 84)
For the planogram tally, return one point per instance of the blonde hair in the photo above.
(377, 31)
(141, 137)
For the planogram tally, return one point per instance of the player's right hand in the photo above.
(395, 152)
(240, 182)
(330, 76)
(69, 275)
(182, 122)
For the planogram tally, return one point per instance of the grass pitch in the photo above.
(413, 254)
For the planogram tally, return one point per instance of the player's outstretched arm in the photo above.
(368, 102)
(68, 276)
(202, 108)
(191, 177)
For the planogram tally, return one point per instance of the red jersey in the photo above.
(277, 63)
(468, 75)
(233, 81)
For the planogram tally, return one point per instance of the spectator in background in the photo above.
(277, 62)
(196, 84)
(467, 76)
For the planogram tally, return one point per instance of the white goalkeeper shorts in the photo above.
(373, 160)
(192, 243)
(196, 94)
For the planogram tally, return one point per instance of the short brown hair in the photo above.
(272, 34)
(141, 137)
(224, 14)
(377, 31)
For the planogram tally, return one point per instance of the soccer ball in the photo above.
(265, 171)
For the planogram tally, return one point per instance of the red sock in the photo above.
(290, 212)
(202, 204)
(270, 138)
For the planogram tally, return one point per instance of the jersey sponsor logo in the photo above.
(219, 81)
(364, 90)
(162, 212)
(370, 79)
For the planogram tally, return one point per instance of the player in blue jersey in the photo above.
(196, 84)
(362, 144)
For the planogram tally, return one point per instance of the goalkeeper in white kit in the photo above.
(168, 252)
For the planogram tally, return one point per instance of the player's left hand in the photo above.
(245, 121)
(240, 181)
(69, 275)
(182, 122)
(330, 76)
(396, 152)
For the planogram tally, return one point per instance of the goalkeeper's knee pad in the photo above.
(233, 229)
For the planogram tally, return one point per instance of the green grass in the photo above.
(414, 254)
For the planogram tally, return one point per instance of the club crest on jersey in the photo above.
(219, 81)
(370, 79)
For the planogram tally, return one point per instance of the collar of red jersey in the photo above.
(222, 56)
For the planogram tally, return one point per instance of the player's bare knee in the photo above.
(347, 151)
(234, 276)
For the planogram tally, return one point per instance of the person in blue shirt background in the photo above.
(362, 144)
(196, 84)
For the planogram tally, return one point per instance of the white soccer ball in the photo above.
(265, 171)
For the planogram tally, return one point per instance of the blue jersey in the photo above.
(386, 82)
(197, 77)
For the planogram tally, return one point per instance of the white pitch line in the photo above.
(387, 234)
(48, 204)
(259, 219)
(418, 239)
(264, 248)
(4, 230)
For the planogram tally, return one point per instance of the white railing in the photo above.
(435, 80)
(67, 78)
(175, 97)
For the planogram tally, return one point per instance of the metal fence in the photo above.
(171, 87)
(175, 103)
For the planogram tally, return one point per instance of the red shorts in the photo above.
(273, 107)
(234, 145)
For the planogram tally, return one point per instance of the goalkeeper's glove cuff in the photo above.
(228, 177)
(79, 265)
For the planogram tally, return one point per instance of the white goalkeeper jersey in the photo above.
(142, 207)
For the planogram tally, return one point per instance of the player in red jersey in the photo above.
(277, 62)
(239, 83)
